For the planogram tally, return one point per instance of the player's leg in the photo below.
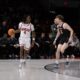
(64, 47)
(27, 48)
(21, 52)
(21, 43)
(21, 56)
(58, 53)
(26, 53)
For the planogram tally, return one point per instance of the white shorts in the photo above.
(25, 42)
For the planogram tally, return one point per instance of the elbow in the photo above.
(71, 32)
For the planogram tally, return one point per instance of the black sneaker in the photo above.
(56, 65)
(28, 57)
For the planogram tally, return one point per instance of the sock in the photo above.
(22, 60)
(57, 62)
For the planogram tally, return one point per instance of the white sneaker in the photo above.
(20, 65)
(24, 62)
(21, 60)
(56, 62)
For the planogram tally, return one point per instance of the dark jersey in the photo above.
(64, 32)
(64, 35)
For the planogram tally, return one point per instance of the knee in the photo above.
(62, 50)
(58, 49)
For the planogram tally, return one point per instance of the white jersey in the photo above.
(25, 29)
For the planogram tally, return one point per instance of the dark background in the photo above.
(42, 9)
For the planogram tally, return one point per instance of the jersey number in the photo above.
(24, 31)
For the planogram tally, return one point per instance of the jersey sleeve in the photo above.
(32, 27)
(20, 25)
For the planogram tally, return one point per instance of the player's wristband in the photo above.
(33, 39)
(55, 39)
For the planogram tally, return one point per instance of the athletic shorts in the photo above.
(25, 42)
(62, 40)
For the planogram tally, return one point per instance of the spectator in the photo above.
(13, 47)
(3, 46)
(4, 27)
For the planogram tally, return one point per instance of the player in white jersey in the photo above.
(25, 29)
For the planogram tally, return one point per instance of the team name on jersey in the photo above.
(25, 29)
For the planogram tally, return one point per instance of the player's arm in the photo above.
(19, 27)
(33, 38)
(33, 35)
(17, 31)
(57, 35)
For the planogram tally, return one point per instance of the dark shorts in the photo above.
(62, 40)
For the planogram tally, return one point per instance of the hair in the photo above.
(60, 17)
(24, 17)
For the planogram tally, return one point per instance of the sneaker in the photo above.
(67, 62)
(21, 60)
(56, 65)
(20, 65)
(28, 57)
(24, 62)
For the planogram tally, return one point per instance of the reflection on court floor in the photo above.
(34, 70)
(71, 68)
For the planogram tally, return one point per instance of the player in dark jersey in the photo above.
(64, 36)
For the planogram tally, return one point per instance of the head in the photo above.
(58, 19)
(27, 19)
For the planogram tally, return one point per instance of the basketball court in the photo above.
(40, 70)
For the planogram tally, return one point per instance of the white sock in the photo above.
(57, 62)
(21, 60)
(24, 60)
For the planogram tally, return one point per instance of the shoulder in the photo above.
(65, 25)
(31, 25)
(21, 23)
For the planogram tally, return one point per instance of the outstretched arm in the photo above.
(17, 31)
(33, 38)
(57, 35)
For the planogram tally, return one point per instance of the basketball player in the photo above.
(63, 37)
(26, 28)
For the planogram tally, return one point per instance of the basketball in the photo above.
(11, 32)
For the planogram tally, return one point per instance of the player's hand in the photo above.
(70, 40)
(54, 42)
(16, 45)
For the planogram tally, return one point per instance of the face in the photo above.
(28, 19)
(56, 21)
